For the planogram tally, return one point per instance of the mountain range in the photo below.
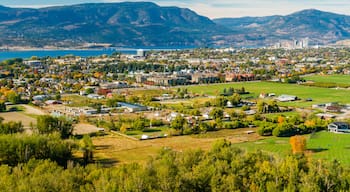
(147, 24)
(318, 26)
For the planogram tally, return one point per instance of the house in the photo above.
(339, 127)
(132, 107)
(53, 102)
(40, 97)
(334, 109)
(285, 98)
(90, 112)
(95, 96)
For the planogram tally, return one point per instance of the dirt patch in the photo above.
(84, 128)
(17, 116)
(33, 110)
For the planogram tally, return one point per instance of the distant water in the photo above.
(82, 53)
(55, 53)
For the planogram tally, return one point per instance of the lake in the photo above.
(55, 53)
(82, 53)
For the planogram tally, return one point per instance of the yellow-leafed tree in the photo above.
(298, 144)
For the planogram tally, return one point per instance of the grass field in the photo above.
(78, 100)
(319, 95)
(330, 146)
(322, 145)
(342, 79)
(115, 149)
(18, 116)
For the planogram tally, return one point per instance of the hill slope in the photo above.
(122, 24)
(320, 27)
(147, 24)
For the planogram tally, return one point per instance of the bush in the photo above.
(266, 131)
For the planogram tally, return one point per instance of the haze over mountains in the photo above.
(147, 24)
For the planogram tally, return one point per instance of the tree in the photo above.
(2, 106)
(11, 127)
(235, 99)
(217, 113)
(178, 123)
(298, 144)
(87, 147)
(13, 97)
(220, 101)
(58, 96)
(139, 124)
(47, 124)
(89, 91)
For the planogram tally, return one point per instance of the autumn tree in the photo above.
(298, 144)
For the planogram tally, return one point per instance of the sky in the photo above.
(215, 8)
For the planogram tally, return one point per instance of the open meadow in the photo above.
(317, 94)
(114, 149)
(341, 79)
(322, 145)
(18, 116)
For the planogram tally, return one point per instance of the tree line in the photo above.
(223, 168)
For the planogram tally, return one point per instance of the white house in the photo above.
(339, 127)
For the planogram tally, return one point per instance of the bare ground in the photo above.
(115, 149)
(33, 110)
(18, 116)
(84, 128)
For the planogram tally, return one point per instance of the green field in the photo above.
(322, 145)
(330, 146)
(341, 79)
(318, 95)
(275, 145)
(78, 100)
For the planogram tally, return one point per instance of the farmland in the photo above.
(318, 95)
(321, 145)
(342, 79)
(117, 149)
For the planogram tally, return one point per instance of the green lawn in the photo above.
(151, 132)
(342, 79)
(275, 145)
(330, 146)
(322, 145)
(319, 95)
(79, 101)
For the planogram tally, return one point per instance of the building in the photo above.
(205, 78)
(286, 98)
(114, 85)
(168, 81)
(33, 63)
(338, 127)
(132, 107)
(141, 53)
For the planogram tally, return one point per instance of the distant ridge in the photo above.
(122, 24)
(319, 26)
(147, 24)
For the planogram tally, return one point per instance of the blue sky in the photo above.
(215, 8)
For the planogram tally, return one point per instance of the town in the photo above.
(124, 108)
